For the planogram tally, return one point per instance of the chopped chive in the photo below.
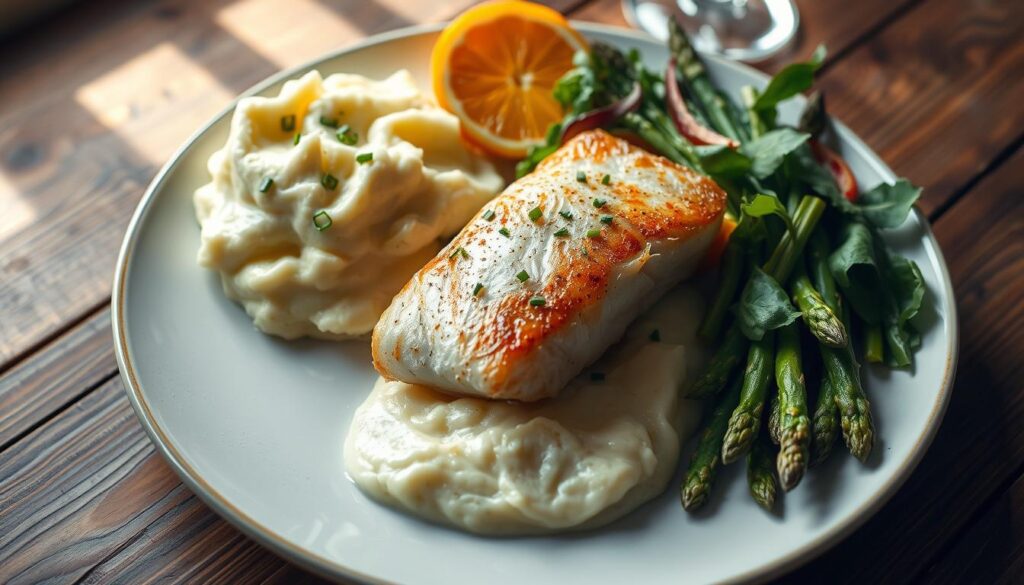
(535, 214)
(476, 289)
(597, 376)
(606, 219)
(329, 122)
(460, 251)
(266, 184)
(565, 214)
(322, 221)
(581, 176)
(562, 233)
(655, 335)
(346, 136)
(364, 158)
(505, 232)
(523, 276)
(329, 181)
(599, 203)
(288, 122)
(297, 138)
(537, 302)
(489, 214)
(586, 254)
(593, 232)
(606, 180)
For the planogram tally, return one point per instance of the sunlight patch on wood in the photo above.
(15, 212)
(155, 100)
(287, 33)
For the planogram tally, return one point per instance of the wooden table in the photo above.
(95, 99)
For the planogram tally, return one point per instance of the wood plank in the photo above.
(992, 550)
(980, 445)
(937, 93)
(56, 376)
(87, 496)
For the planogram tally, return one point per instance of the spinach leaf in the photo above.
(793, 79)
(768, 151)
(723, 161)
(762, 205)
(763, 306)
(904, 295)
(855, 268)
(887, 206)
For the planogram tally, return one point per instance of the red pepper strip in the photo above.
(838, 167)
(687, 125)
(602, 117)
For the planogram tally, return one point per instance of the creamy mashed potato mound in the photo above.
(582, 459)
(386, 214)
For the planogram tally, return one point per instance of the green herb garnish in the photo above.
(322, 221)
(288, 123)
(364, 158)
(581, 176)
(606, 219)
(593, 232)
(505, 232)
(537, 302)
(565, 214)
(329, 122)
(489, 214)
(523, 276)
(297, 138)
(460, 251)
(599, 203)
(266, 184)
(535, 214)
(329, 181)
(562, 233)
(476, 289)
(606, 180)
(346, 136)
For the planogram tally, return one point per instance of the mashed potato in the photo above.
(315, 237)
(585, 458)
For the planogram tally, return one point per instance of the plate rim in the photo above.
(331, 569)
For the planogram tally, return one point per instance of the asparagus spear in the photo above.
(722, 365)
(694, 78)
(732, 270)
(826, 327)
(843, 370)
(825, 423)
(774, 418)
(794, 433)
(779, 266)
(705, 461)
(746, 418)
(761, 475)
(757, 125)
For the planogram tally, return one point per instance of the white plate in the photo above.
(254, 425)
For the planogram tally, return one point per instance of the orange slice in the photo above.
(495, 67)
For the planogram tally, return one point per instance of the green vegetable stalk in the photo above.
(745, 421)
(794, 432)
(761, 474)
(705, 462)
(826, 327)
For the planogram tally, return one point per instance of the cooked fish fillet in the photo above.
(522, 301)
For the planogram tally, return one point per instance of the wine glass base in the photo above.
(745, 30)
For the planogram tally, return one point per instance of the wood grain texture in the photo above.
(980, 445)
(55, 376)
(992, 550)
(937, 93)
